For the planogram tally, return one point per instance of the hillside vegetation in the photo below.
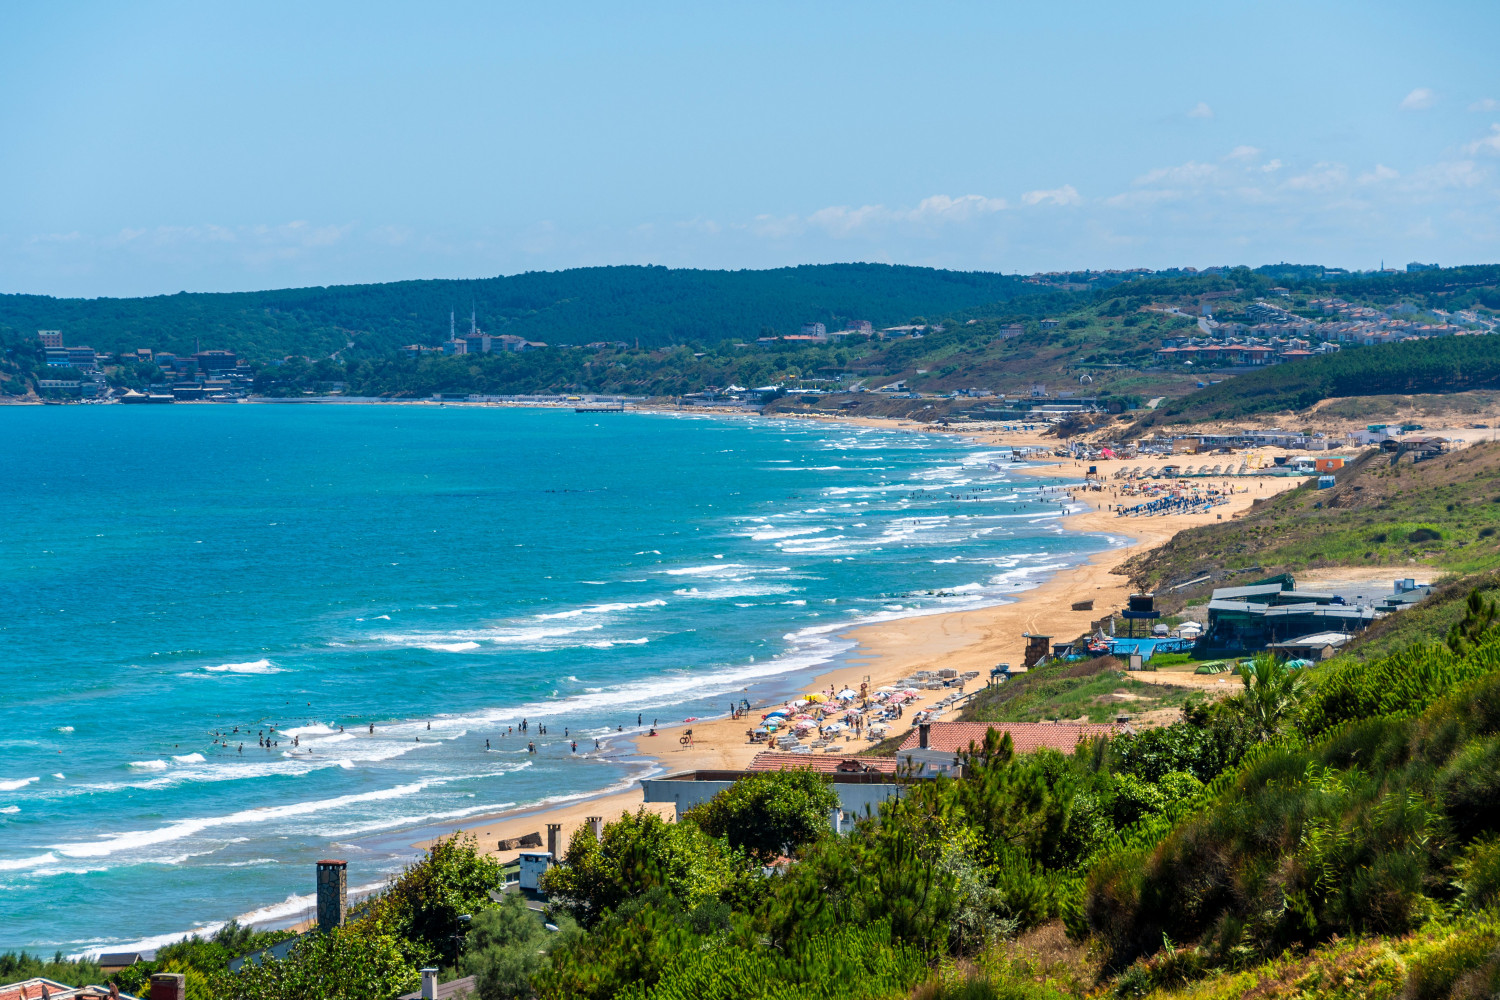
(653, 305)
(1441, 516)
(1453, 364)
(1333, 831)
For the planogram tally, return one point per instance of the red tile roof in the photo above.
(1026, 736)
(31, 989)
(770, 760)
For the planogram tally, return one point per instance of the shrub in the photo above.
(422, 905)
(769, 814)
(637, 853)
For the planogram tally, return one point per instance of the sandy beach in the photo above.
(975, 639)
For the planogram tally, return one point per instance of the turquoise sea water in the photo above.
(169, 573)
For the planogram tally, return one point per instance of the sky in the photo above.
(149, 148)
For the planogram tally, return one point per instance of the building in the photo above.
(1274, 610)
(50, 338)
(214, 362)
(935, 746)
(36, 988)
(815, 330)
(454, 989)
(862, 783)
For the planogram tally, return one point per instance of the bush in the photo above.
(359, 961)
(507, 945)
(769, 814)
(641, 852)
(422, 905)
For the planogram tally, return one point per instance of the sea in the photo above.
(382, 593)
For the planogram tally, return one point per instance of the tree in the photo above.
(638, 853)
(360, 961)
(423, 904)
(769, 814)
(507, 945)
(1272, 690)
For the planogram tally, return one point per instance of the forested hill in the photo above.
(655, 305)
(1451, 364)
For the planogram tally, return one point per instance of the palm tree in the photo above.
(1272, 690)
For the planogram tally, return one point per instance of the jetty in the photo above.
(601, 408)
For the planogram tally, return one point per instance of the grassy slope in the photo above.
(1095, 689)
(1368, 519)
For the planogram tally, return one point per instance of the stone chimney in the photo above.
(596, 824)
(168, 986)
(333, 895)
(924, 733)
(429, 983)
(554, 840)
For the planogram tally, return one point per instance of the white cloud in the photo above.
(1485, 104)
(1489, 144)
(1322, 177)
(1200, 110)
(941, 208)
(1243, 153)
(1418, 100)
(1065, 195)
(1189, 173)
(1380, 173)
(1271, 167)
(844, 220)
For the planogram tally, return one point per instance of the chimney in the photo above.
(596, 824)
(924, 731)
(333, 895)
(429, 984)
(554, 840)
(168, 986)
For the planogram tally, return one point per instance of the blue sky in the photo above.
(149, 148)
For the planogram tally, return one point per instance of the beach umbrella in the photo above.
(848, 693)
(797, 702)
(817, 696)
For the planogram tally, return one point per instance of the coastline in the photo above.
(971, 639)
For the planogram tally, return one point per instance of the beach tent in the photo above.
(817, 696)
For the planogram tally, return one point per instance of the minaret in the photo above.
(451, 333)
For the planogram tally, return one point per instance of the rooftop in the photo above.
(31, 989)
(1026, 736)
(453, 988)
(770, 760)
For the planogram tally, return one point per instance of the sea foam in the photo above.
(252, 667)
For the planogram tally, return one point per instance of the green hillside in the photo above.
(1439, 517)
(655, 305)
(1447, 365)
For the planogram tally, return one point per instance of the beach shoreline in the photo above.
(975, 639)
